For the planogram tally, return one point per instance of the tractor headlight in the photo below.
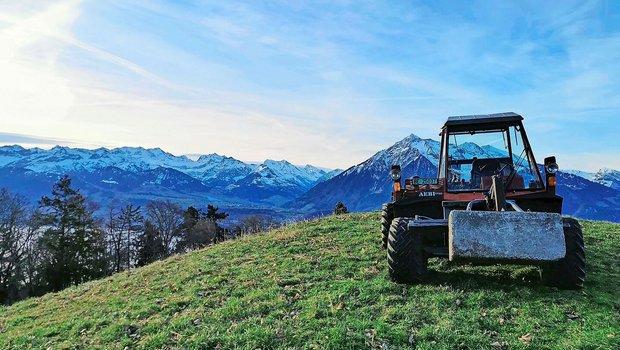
(395, 174)
(552, 168)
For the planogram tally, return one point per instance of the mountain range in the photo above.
(365, 186)
(137, 175)
(276, 188)
(605, 176)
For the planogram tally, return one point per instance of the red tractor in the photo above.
(489, 203)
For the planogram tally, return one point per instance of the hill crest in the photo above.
(322, 284)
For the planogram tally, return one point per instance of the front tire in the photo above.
(386, 221)
(570, 271)
(407, 262)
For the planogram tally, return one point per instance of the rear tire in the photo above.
(386, 221)
(407, 262)
(570, 271)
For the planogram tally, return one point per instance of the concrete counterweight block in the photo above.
(507, 235)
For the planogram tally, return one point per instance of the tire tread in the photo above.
(407, 262)
(570, 271)
(386, 222)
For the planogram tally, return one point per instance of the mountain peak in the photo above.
(271, 161)
(608, 171)
(12, 148)
(210, 157)
(413, 137)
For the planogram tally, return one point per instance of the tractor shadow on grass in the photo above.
(484, 277)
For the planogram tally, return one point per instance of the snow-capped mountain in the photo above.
(605, 176)
(64, 159)
(216, 170)
(608, 177)
(367, 185)
(139, 174)
(587, 199)
(276, 182)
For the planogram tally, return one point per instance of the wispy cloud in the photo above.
(52, 25)
(7, 138)
(324, 82)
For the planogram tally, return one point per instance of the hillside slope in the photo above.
(323, 284)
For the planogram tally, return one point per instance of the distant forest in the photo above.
(61, 242)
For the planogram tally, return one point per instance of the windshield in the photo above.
(475, 156)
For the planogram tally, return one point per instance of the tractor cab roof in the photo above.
(482, 121)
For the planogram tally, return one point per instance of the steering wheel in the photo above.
(505, 166)
(491, 164)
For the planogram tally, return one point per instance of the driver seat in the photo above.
(516, 184)
(482, 168)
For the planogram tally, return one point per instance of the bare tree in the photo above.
(130, 223)
(253, 224)
(16, 235)
(34, 258)
(114, 238)
(167, 218)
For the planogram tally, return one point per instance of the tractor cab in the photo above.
(476, 148)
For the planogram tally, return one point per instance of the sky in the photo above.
(327, 83)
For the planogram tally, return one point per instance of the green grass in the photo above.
(323, 285)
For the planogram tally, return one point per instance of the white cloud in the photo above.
(238, 133)
(33, 94)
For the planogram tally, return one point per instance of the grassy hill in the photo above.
(323, 285)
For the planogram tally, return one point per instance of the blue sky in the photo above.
(322, 82)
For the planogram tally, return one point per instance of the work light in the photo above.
(395, 173)
(552, 168)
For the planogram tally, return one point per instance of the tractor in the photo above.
(488, 204)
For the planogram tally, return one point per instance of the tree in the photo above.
(200, 235)
(167, 218)
(129, 223)
(73, 245)
(200, 229)
(213, 215)
(150, 246)
(253, 224)
(115, 239)
(16, 235)
(340, 209)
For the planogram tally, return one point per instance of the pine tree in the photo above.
(197, 231)
(213, 215)
(200, 229)
(73, 245)
(191, 216)
(340, 209)
(150, 246)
